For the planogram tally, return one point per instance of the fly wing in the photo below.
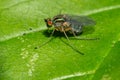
(81, 20)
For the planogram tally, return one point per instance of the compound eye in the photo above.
(50, 23)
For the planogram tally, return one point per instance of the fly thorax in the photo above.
(58, 24)
(66, 24)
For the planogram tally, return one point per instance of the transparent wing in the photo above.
(81, 20)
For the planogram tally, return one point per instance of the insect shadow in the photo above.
(86, 30)
(73, 47)
(60, 35)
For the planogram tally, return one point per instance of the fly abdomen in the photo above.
(77, 28)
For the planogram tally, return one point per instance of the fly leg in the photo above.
(79, 38)
(74, 34)
(73, 47)
(52, 33)
(50, 38)
(64, 33)
(82, 38)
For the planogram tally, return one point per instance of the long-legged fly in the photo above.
(69, 23)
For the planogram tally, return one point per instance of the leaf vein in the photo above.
(73, 75)
(95, 11)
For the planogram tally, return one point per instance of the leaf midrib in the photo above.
(14, 5)
(43, 28)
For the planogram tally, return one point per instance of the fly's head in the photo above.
(48, 22)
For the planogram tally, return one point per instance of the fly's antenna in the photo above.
(50, 14)
(60, 12)
(50, 38)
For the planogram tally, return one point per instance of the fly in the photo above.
(69, 23)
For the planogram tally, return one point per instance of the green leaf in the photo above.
(110, 69)
(59, 58)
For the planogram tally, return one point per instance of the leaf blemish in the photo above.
(31, 64)
(113, 42)
(106, 77)
(119, 39)
(29, 46)
(81, 46)
(21, 39)
(24, 53)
